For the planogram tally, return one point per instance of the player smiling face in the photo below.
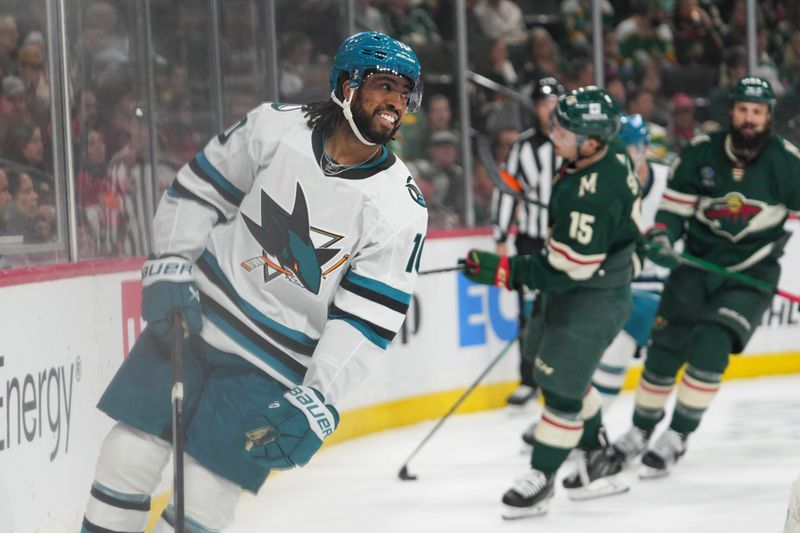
(380, 104)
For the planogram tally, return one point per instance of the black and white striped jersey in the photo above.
(533, 162)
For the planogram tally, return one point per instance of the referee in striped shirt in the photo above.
(533, 162)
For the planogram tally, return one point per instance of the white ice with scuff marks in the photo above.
(734, 478)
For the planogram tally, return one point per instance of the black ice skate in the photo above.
(599, 472)
(666, 451)
(522, 396)
(527, 435)
(632, 443)
(529, 496)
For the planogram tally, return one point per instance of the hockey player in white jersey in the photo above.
(631, 341)
(291, 243)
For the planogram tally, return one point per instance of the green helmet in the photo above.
(753, 89)
(589, 111)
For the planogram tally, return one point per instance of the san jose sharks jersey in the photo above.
(306, 275)
(731, 214)
(593, 215)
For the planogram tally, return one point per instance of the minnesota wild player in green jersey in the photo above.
(584, 278)
(727, 197)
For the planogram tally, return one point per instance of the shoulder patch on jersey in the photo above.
(792, 149)
(699, 139)
(415, 193)
(277, 106)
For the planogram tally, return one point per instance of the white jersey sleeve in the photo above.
(370, 305)
(209, 189)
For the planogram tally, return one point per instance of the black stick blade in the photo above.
(405, 476)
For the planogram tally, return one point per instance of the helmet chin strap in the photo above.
(348, 114)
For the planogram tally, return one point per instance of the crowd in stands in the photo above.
(672, 61)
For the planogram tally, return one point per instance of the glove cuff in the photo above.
(172, 268)
(322, 418)
(502, 274)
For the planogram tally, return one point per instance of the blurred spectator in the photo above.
(697, 40)
(296, 49)
(129, 173)
(5, 197)
(99, 206)
(641, 101)
(616, 88)
(21, 212)
(179, 135)
(734, 32)
(30, 68)
(444, 178)
(8, 44)
(719, 99)
(612, 58)
(412, 25)
(368, 17)
(543, 59)
(85, 114)
(683, 127)
(767, 68)
(416, 132)
(13, 104)
(577, 16)
(790, 64)
(648, 77)
(24, 145)
(495, 65)
(117, 104)
(645, 35)
(177, 85)
(501, 19)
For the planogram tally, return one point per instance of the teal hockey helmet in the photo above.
(371, 51)
(589, 112)
(633, 130)
(753, 89)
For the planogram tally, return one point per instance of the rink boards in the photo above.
(66, 328)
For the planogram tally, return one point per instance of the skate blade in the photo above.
(526, 409)
(600, 488)
(648, 472)
(515, 513)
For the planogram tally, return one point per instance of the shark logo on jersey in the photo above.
(287, 246)
(415, 193)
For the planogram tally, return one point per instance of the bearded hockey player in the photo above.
(291, 245)
(727, 198)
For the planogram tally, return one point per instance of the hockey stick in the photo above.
(178, 334)
(505, 182)
(403, 474)
(457, 268)
(702, 264)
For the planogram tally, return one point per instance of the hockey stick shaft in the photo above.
(505, 182)
(457, 268)
(178, 332)
(707, 266)
(456, 405)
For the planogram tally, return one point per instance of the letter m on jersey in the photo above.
(588, 184)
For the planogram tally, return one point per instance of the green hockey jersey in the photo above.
(593, 217)
(729, 213)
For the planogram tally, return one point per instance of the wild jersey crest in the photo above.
(287, 246)
(732, 215)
